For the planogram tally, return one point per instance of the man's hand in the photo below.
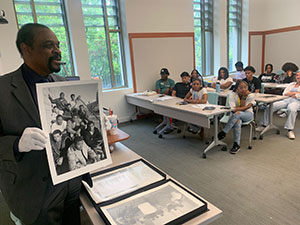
(32, 139)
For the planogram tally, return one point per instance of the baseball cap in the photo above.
(164, 71)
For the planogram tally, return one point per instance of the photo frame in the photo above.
(165, 203)
(119, 182)
(71, 114)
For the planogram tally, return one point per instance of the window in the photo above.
(234, 25)
(203, 28)
(52, 14)
(104, 40)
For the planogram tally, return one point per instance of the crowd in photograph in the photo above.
(75, 139)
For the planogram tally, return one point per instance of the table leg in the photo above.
(164, 122)
(216, 141)
(270, 125)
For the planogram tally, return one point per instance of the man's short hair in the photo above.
(90, 122)
(77, 139)
(56, 132)
(184, 74)
(26, 34)
(239, 64)
(250, 68)
(59, 116)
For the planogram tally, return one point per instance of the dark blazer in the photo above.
(23, 183)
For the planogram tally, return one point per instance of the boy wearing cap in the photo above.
(165, 85)
(182, 88)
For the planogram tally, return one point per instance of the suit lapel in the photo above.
(23, 95)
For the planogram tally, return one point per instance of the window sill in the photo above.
(117, 89)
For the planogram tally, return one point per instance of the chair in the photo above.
(212, 98)
(252, 124)
(260, 104)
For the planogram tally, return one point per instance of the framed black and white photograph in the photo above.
(71, 113)
(168, 203)
(122, 180)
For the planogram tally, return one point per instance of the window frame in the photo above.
(108, 32)
(122, 53)
(239, 44)
(66, 25)
(204, 30)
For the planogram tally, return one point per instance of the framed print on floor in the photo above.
(71, 113)
(167, 203)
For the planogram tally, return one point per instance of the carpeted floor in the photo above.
(254, 187)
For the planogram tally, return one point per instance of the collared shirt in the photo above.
(32, 78)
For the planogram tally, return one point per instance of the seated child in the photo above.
(223, 79)
(182, 88)
(197, 95)
(164, 85)
(242, 101)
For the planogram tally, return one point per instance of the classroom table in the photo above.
(269, 99)
(122, 155)
(275, 85)
(146, 101)
(140, 100)
(194, 114)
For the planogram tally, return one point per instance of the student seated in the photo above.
(182, 88)
(289, 76)
(292, 104)
(164, 85)
(196, 75)
(223, 79)
(196, 95)
(240, 73)
(242, 101)
(253, 82)
(267, 76)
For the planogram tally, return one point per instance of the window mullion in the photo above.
(33, 11)
(203, 39)
(113, 80)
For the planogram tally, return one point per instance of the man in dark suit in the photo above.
(25, 179)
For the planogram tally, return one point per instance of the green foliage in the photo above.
(51, 15)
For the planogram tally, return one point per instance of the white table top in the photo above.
(268, 98)
(149, 98)
(121, 155)
(191, 108)
(275, 85)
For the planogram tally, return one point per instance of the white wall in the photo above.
(152, 54)
(273, 14)
(280, 47)
(9, 56)
(159, 16)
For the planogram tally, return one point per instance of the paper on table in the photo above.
(202, 106)
(163, 98)
(122, 181)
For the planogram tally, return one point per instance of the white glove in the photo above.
(32, 139)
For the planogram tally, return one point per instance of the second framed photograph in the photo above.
(71, 113)
(167, 203)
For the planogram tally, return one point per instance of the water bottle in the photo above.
(218, 87)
